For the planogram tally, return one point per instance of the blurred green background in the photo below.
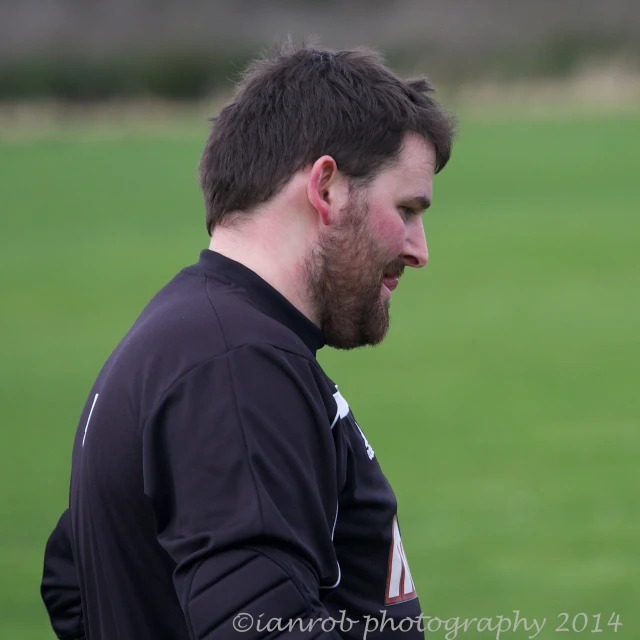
(503, 406)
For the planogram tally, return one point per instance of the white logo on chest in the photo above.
(343, 411)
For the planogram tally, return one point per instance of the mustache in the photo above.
(395, 269)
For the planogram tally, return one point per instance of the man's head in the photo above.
(359, 256)
(341, 143)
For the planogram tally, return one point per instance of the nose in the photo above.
(416, 252)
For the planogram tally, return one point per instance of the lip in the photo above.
(390, 282)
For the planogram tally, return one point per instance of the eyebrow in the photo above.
(419, 203)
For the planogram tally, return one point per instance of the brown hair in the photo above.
(293, 107)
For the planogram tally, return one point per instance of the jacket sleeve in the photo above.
(59, 589)
(240, 466)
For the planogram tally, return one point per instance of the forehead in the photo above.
(413, 169)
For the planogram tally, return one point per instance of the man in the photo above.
(220, 482)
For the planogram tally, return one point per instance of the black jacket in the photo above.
(217, 470)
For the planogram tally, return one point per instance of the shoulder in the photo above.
(197, 322)
(195, 318)
(243, 322)
(265, 377)
(257, 392)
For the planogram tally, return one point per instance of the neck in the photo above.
(277, 258)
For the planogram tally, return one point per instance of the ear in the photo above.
(322, 188)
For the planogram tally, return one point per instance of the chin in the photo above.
(367, 337)
(363, 325)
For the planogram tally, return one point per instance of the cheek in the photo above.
(390, 233)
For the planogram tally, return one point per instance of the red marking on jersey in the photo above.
(400, 585)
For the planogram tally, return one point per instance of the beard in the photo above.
(343, 274)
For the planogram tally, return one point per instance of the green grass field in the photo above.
(503, 406)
